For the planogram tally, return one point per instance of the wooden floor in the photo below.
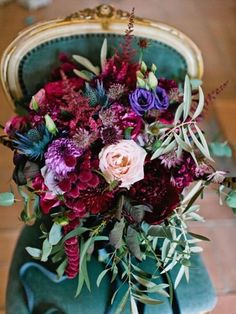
(211, 24)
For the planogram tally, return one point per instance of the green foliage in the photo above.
(231, 200)
(220, 149)
(185, 135)
(7, 199)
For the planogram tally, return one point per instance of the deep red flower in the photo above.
(119, 71)
(16, 124)
(47, 199)
(157, 191)
(85, 191)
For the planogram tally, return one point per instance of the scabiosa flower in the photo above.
(110, 134)
(34, 142)
(61, 156)
(142, 100)
(156, 191)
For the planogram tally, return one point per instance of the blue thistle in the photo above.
(33, 143)
(96, 95)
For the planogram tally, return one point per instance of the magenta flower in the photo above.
(61, 156)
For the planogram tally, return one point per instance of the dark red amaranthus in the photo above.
(72, 251)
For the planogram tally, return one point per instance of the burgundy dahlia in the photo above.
(156, 191)
(61, 156)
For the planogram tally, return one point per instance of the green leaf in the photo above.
(182, 144)
(7, 199)
(114, 272)
(134, 308)
(84, 249)
(128, 132)
(179, 276)
(178, 113)
(55, 234)
(85, 75)
(122, 304)
(76, 232)
(198, 236)
(197, 187)
(144, 282)
(116, 234)
(61, 268)
(159, 231)
(46, 250)
(80, 284)
(203, 148)
(231, 199)
(187, 97)
(220, 149)
(84, 270)
(86, 63)
(147, 300)
(104, 54)
(200, 104)
(34, 252)
(100, 277)
(133, 242)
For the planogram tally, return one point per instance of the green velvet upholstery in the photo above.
(36, 66)
(52, 296)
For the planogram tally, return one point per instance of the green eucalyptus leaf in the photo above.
(122, 304)
(7, 199)
(34, 252)
(160, 231)
(116, 234)
(198, 236)
(132, 240)
(147, 300)
(85, 75)
(104, 54)
(86, 63)
(187, 97)
(200, 106)
(55, 234)
(61, 268)
(231, 199)
(76, 232)
(100, 277)
(134, 308)
(80, 284)
(179, 276)
(46, 250)
(220, 149)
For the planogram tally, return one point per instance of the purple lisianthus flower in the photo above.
(161, 99)
(142, 100)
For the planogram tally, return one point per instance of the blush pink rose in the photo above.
(123, 162)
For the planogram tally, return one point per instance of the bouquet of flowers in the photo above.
(113, 158)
